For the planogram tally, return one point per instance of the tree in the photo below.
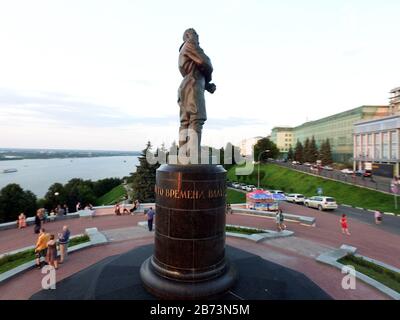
(144, 179)
(313, 151)
(14, 200)
(306, 152)
(298, 151)
(79, 190)
(290, 154)
(326, 153)
(54, 196)
(261, 147)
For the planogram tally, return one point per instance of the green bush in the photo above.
(243, 230)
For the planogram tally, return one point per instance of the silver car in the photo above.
(321, 203)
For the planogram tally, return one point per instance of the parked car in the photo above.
(321, 203)
(347, 171)
(277, 191)
(295, 198)
(359, 172)
(364, 173)
(367, 173)
(307, 164)
(250, 188)
(243, 186)
(236, 185)
(295, 162)
(314, 168)
(327, 168)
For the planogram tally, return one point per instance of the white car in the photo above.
(327, 168)
(277, 191)
(236, 185)
(243, 186)
(321, 203)
(250, 188)
(347, 171)
(307, 164)
(295, 197)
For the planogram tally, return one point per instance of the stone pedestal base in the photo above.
(173, 289)
(189, 255)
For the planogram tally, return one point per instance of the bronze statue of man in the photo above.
(196, 69)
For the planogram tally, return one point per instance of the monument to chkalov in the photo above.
(189, 252)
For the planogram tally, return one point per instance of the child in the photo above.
(378, 217)
(343, 222)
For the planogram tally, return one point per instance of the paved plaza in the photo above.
(297, 252)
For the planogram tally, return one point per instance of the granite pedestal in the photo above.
(189, 253)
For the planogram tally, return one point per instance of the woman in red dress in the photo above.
(343, 223)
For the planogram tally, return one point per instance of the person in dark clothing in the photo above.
(150, 217)
(38, 222)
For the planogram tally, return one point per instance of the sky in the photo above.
(103, 75)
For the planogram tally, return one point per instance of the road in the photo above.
(376, 183)
(390, 223)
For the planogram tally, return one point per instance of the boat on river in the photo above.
(9, 170)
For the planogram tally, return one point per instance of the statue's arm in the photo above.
(195, 53)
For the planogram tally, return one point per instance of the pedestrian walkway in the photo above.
(298, 252)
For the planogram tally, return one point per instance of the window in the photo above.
(394, 145)
(377, 148)
(358, 146)
(385, 145)
(370, 147)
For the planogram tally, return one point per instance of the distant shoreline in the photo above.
(70, 157)
(21, 154)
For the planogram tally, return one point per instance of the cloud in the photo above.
(65, 110)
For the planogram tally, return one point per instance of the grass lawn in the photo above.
(233, 196)
(111, 197)
(276, 177)
(14, 260)
(385, 276)
(243, 230)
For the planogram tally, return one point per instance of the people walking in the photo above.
(378, 217)
(63, 240)
(150, 217)
(228, 208)
(344, 224)
(117, 209)
(78, 207)
(52, 252)
(41, 247)
(279, 219)
(21, 221)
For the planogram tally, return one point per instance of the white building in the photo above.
(246, 145)
(376, 144)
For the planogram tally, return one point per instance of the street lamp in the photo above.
(258, 175)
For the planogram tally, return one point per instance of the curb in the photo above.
(96, 238)
(369, 210)
(331, 258)
(257, 237)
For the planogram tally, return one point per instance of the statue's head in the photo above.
(190, 35)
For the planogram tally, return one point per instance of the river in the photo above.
(39, 174)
